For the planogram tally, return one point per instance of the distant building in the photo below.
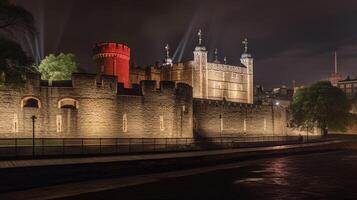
(281, 96)
(335, 76)
(349, 86)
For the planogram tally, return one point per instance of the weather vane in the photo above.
(167, 50)
(200, 37)
(245, 42)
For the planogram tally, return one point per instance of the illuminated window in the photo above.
(162, 128)
(15, 124)
(68, 103)
(342, 86)
(30, 102)
(348, 85)
(125, 123)
(59, 123)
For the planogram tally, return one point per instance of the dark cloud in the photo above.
(289, 39)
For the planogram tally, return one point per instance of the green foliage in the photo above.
(14, 63)
(321, 105)
(58, 67)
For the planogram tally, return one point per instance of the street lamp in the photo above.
(33, 134)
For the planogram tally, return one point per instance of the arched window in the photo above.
(30, 102)
(68, 103)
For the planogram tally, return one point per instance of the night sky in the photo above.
(289, 39)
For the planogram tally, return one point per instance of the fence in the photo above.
(92, 146)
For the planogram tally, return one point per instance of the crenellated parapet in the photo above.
(111, 49)
(148, 87)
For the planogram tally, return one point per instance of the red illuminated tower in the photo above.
(113, 59)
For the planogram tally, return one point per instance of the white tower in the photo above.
(199, 73)
(247, 61)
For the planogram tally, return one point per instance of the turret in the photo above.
(113, 59)
(200, 65)
(247, 61)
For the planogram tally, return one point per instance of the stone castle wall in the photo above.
(102, 111)
(107, 109)
(229, 119)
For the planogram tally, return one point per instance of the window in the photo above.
(265, 124)
(15, 124)
(162, 128)
(125, 123)
(68, 103)
(59, 123)
(30, 102)
(348, 85)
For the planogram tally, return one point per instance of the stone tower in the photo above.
(113, 59)
(247, 61)
(200, 73)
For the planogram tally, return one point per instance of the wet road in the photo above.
(331, 175)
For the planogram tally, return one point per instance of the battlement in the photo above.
(166, 87)
(111, 49)
(215, 103)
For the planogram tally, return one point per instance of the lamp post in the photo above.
(307, 132)
(33, 134)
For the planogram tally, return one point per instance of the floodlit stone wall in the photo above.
(230, 119)
(84, 107)
(97, 110)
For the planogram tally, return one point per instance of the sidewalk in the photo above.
(146, 157)
(76, 187)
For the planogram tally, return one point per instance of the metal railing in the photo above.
(93, 146)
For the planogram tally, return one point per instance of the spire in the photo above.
(199, 37)
(216, 56)
(200, 46)
(245, 54)
(167, 48)
(168, 60)
(245, 42)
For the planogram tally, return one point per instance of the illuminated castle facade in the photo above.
(183, 100)
(209, 80)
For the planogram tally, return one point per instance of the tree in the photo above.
(14, 62)
(321, 105)
(58, 67)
